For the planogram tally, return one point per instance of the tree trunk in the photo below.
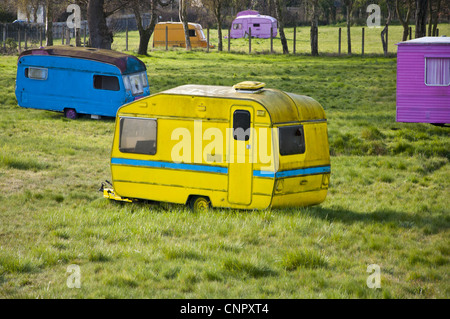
(49, 31)
(405, 22)
(219, 34)
(436, 18)
(430, 17)
(385, 29)
(314, 33)
(349, 38)
(421, 18)
(144, 38)
(183, 20)
(78, 37)
(280, 18)
(218, 15)
(145, 33)
(99, 35)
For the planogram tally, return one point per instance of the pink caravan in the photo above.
(423, 80)
(259, 24)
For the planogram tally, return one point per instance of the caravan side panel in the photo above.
(64, 82)
(417, 101)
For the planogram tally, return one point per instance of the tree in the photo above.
(182, 10)
(278, 4)
(349, 11)
(314, 33)
(421, 18)
(433, 16)
(218, 7)
(144, 32)
(384, 31)
(49, 23)
(99, 35)
(405, 21)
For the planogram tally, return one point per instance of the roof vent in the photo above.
(249, 87)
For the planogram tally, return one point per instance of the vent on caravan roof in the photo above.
(249, 87)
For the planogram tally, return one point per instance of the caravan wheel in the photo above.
(199, 203)
(70, 114)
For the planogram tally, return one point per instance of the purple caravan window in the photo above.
(437, 71)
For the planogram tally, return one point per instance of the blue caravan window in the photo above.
(104, 82)
(36, 73)
(292, 140)
(137, 135)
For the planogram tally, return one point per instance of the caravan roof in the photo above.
(127, 64)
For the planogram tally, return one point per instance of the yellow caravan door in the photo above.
(240, 155)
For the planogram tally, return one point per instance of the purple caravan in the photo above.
(423, 80)
(260, 25)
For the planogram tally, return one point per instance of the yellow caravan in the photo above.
(175, 35)
(245, 147)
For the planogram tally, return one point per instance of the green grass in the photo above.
(387, 203)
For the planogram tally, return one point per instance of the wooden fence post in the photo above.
(362, 43)
(40, 35)
(271, 40)
(4, 37)
(229, 41)
(126, 37)
(410, 33)
(20, 42)
(67, 36)
(85, 31)
(207, 39)
(62, 35)
(387, 32)
(339, 50)
(167, 38)
(249, 40)
(295, 38)
(25, 34)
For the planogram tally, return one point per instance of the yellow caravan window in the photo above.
(292, 140)
(137, 135)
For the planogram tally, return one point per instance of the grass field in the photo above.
(388, 202)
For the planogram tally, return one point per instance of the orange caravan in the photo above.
(175, 35)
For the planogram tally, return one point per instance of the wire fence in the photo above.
(15, 38)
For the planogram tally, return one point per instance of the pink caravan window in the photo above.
(437, 71)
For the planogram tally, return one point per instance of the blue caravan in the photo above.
(79, 80)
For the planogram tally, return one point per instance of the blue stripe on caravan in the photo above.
(304, 171)
(268, 174)
(294, 172)
(182, 166)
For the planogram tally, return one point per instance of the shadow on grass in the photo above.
(430, 224)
